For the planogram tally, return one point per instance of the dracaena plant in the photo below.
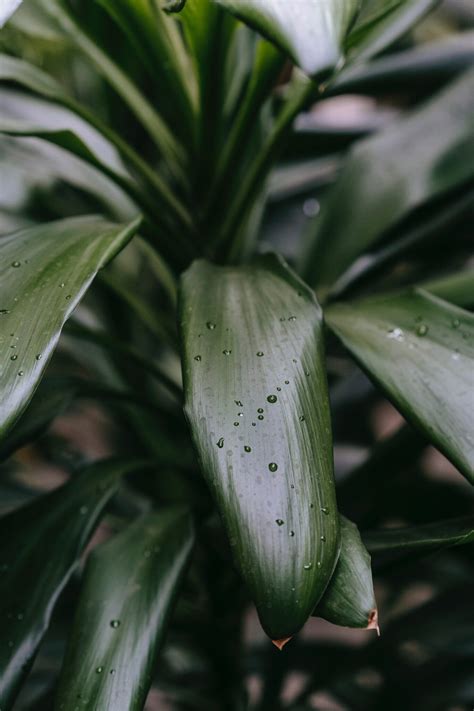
(165, 145)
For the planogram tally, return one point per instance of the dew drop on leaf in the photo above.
(308, 566)
(115, 624)
(260, 354)
(220, 442)
(272, 399)
(247, 448)
(325, 510)
(197, 357)
(211, 326)
(422, 330)
(16, 264)
(279, 522)
(273, 466)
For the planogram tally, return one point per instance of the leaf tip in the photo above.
(280, 643)
(373, 622)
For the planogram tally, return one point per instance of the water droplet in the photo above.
(325, 510)
(308, 566)
(279, 522)
(291, 534)
(455, 323)
(62, 285)
(13, 357)
(236, 424)
(306, 372)
(16, 264)
(279, 390)
(260, 417)
(226, 352)
(272, 399)
(396, 334)
(247, 448)
(20, 616)
(112, 671)
(260, 409)
(99, 670)
(38, 356)
(83, 510)
(311, 506)
(240, 414)
(422, 330)
(21, 373)
(197, 357)
(318, 563)
(220, 443)
(292, 318)
(4, 311)
(254, 424)
(301, 418)
(260, 354)
(238, 403)
(115, 624)
(287, 382)
(282, 318)
(273, 467)
(323, 539)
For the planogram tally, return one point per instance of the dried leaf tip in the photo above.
(373, 623)
(280, 643)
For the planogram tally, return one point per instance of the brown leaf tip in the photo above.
(373, 623)
(280, 643)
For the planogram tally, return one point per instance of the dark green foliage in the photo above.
(201, 397)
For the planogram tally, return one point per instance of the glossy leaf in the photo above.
(349, 599)
(256, 400)
(7, 8)
(388, 176)
(422, 68)
(420, 350)
(118, 79)
(381, 22)
(40, 545)
(51, 399)
(44, 273)
(421, 539)
(129, 589)
(456, 288)
(312, 32)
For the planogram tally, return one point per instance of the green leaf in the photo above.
(40, 545)
(456, 288)
(420, 350)
(387, 177)
(7, 8)
(44, 273)
(349, 598)
(159, 44)
(118, 79)
(421, 68)
(381, 22)
(312, 32)
(256, 400)
(51, 399)
(421, 539)
(129, 589)
(80, 138)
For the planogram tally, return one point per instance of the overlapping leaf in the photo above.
(256, 400)
(387, 177)
(40, 545)
(420, 350)
(312, 32)
(130, 585)
(44, 272)
(349, 599)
